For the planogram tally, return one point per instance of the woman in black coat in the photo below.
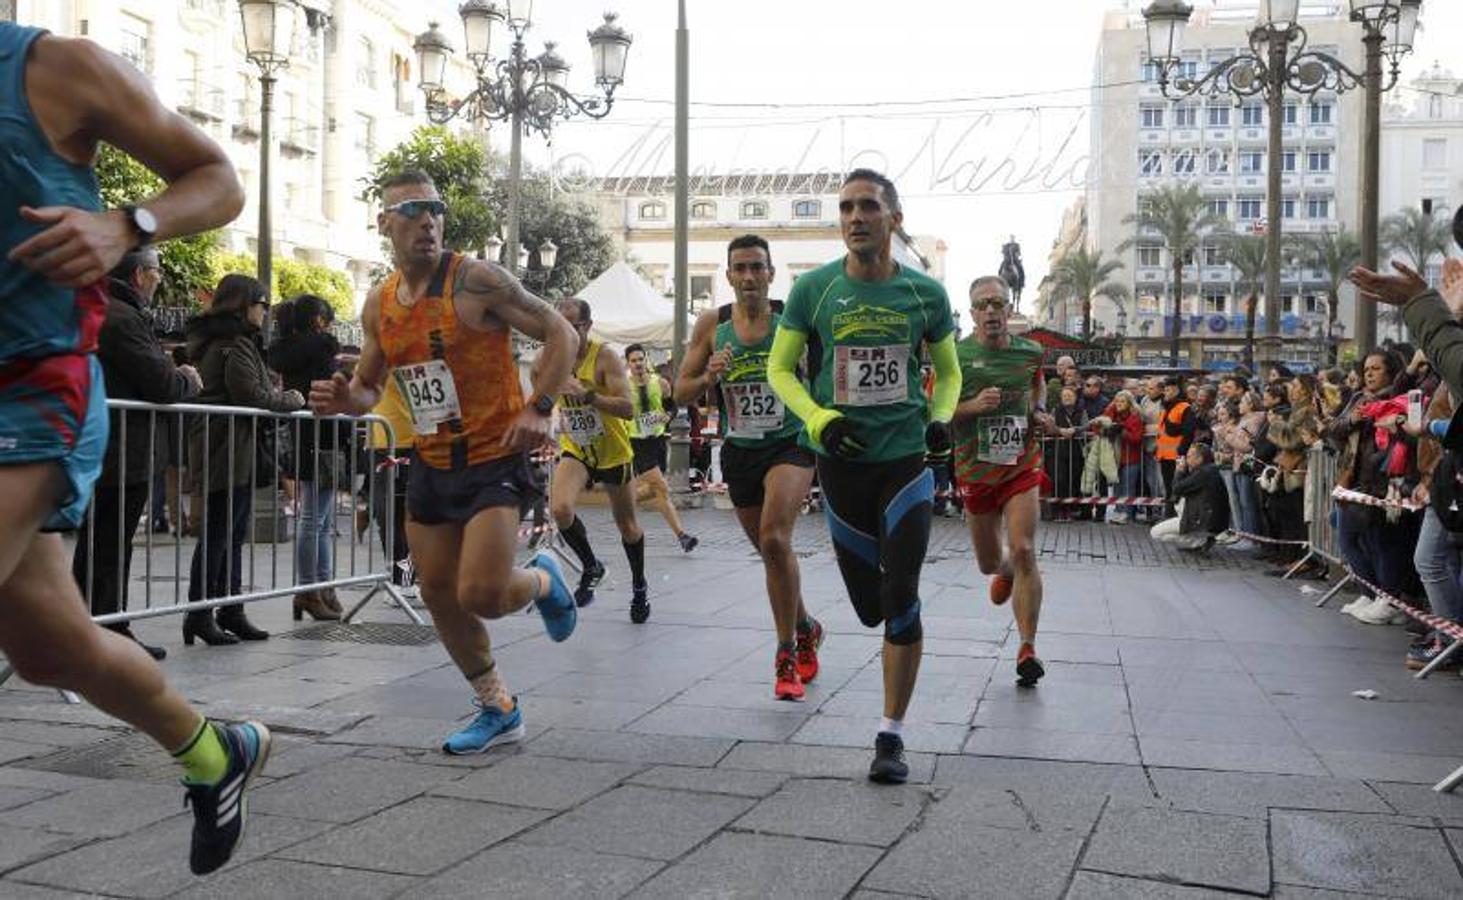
(306, 351)
(1064, 460)
(227, 348)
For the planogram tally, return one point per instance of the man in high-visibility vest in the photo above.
(1175, 432)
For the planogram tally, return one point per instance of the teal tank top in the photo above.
(37, 318)
(751, 414)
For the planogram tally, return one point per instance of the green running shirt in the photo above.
(999, 445)
(864, 341)
(752, 416)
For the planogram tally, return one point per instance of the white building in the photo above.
(797, 214)
(1422, 148)
(1141, 141)
(349, 93)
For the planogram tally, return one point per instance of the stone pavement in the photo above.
(1196, 737)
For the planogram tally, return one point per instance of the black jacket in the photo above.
(301, 359)
(1206, 501)
(230, 359)
(135, 367)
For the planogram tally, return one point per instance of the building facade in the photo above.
(1422, 148)
(797, 214)
(348, 95)
(1141, 141)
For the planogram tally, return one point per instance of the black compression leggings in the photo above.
(879, 516)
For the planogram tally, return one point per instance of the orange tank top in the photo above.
(484, 373)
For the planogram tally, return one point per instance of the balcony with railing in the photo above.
(201, 103)
(299, 137)
(246, 118)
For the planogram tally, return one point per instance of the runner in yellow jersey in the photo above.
(650, 395)
(594, 435)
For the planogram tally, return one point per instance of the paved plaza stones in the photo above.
(1196, 738)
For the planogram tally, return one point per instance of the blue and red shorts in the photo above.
(55, 408)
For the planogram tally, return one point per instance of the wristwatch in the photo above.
(142, 221)
(542, 404)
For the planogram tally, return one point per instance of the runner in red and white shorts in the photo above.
(998, 458)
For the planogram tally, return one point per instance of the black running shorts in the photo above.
(650, 453)
(610, 475)
(454, 496)
(744, 469)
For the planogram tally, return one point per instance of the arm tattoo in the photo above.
(495, 288)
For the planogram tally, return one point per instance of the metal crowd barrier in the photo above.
(1085, 471)
(186, 439)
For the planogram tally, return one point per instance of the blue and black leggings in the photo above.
(879, 516)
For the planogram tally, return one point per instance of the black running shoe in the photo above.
(888, 766)
(589, 579)
(639, 604)
(1028, 670)
(219, 809)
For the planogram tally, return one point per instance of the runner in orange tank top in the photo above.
(440, 328)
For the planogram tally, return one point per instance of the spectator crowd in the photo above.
(1229, 460)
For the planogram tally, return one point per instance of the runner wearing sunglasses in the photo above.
(439, 326)
(998, 458)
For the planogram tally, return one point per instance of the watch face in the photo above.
(145, 221)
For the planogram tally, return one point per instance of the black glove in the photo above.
(841, 440)
(937, 441)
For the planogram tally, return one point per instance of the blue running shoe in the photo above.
(219, 810)
(489, 728)
(558, 609)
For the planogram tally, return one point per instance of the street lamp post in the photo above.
(269, 28)
(1278, 60)
(528, 92)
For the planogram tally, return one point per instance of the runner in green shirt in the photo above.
(998, 458)
(767, 474)
(863, 320)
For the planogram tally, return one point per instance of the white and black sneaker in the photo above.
(219, 810)
(888, 766)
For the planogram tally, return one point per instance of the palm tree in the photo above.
(1417, 235)
(1083, 275)
(1334, 253)
(1247, 254)
(1181, 216)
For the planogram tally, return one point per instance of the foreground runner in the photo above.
(61, 98)
(767, 474)
(440, 326)
(864, 318)
(998, 458)
(651, 406)
(595, 436)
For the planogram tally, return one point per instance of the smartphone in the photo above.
(1414, 408)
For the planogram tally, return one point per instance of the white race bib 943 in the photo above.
(870, 376)
(430, 393)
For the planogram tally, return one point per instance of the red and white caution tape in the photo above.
(1261, 539)
(1349, 496)
(1106, 501)
(1446, 626)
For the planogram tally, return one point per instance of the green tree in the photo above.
(187, 263)
(1416, 235)
(1179, 215)
(1335, 254)
(459, 166)
(1084, 275)
(585, 248)
(293, 277)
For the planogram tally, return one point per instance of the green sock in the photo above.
(203, 757)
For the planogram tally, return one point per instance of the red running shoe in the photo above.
(788, 686)
(1001, 586)
(1028, 668)
(807, 653)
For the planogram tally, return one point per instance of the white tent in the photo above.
(627, 310)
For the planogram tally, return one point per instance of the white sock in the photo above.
(893, 726)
